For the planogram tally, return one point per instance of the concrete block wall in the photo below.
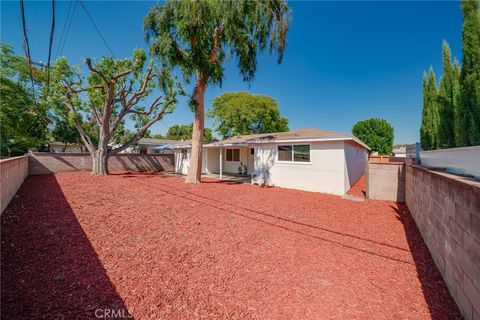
(13, 172)
(386, 181)
(44, 163)
(446, 209)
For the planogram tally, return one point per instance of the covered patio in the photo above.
(228, 160)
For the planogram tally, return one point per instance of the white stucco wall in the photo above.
(181, 166)
(324, 173)
(232, 166)
(355, 163)
(212, 160)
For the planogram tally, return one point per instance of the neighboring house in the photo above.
(305, 159)
(67, 147)
(400, 151)
(150, 146)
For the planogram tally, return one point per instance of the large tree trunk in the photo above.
(100, 163)
(195, 169)
(100, 157)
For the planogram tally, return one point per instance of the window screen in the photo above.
(236, 154)
(284, 153)
(301, 153)
(233, 155)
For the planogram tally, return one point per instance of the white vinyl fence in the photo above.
(464, 161)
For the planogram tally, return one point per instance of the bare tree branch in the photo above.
(137, 95)
(85, 138)
(122, 74)
(88, 62)
(143, 130)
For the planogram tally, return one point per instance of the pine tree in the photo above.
(434, 122)
(447, 101)
(457, 120)
(424, 136)
(469, 110)
(430, 116)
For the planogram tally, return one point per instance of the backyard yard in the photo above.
(150, 246)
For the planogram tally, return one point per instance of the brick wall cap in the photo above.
(12, 159)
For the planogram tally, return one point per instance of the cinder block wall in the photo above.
(446, 209)
(386, 181)
(43, 162)
(13, 172)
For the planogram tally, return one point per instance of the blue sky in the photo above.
(344, 62)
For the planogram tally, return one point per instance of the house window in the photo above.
(233, 155)
(294, 153)
(301, 153)
(184, 154)
(252, 151)
(284, 153)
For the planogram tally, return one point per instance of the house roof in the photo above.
(156, 142)
(400, 150)
(300, 135)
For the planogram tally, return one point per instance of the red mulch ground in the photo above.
(359, 189)
(73, 243)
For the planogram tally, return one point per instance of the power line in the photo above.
(68, 28)
(63, 29)
(96, 28)
(108, 47)
(52, 31)
(26, 48)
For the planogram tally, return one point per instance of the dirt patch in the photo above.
(155, 247)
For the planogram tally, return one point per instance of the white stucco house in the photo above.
(305, 159)
(154, 146)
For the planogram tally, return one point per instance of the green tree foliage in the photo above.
(377, 133)
(448, 100)
(430, 115)
(239, 113)
(23, 120)
(197, 37)
(184, 132)
(65, 131)
(469, 104)
(100, 102)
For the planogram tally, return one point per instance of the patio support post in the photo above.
(221, 162)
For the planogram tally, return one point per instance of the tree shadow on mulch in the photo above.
(49, 269)
(440, 303)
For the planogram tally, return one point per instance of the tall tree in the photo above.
(23, 119)
(425, 140)
(65, 131)
(457, 119)
(470, 75)
(430, 117)
(196, 36)
(184, 132)
(238, 113)
(447, 100)
(107, 96)
(377, 133)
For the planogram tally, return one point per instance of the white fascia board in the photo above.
(277, 141)
(312, 140)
